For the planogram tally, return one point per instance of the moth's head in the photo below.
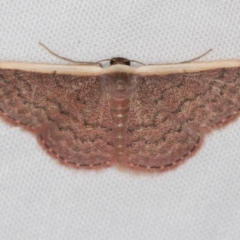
(119, 60)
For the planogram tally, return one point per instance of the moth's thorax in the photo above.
(121, 86)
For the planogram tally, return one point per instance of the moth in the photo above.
(149, 118)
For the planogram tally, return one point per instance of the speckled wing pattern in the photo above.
(68, 114)
(170, 115)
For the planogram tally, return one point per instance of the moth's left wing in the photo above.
(65, 106)
(174, 106)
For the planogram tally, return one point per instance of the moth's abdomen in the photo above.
(119, 111)
(120, 91)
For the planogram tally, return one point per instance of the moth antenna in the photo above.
(191, 60)
(70, 60)
(138, 62)
(103, 60)
(196, 58)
